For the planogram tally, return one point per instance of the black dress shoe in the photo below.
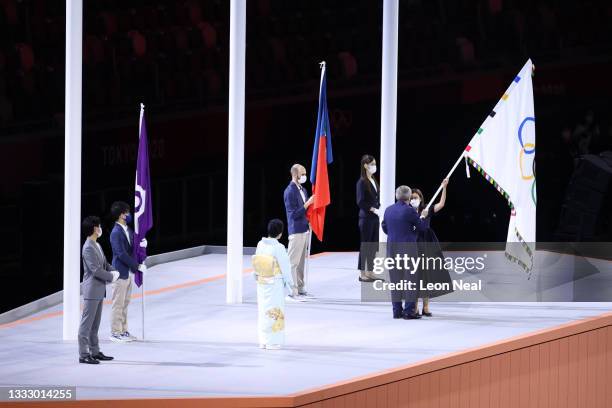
(100, 356)
(397, 316)
(88, 360)
(428, 314)
(412, 316)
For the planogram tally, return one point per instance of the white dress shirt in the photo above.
(125, 230)
(301, 191)
(374, 184)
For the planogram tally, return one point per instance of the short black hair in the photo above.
(118, 208)
(89, 223)
(275, 227)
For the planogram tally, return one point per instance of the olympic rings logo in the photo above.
(527, 148)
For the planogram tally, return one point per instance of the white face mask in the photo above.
(302, 179)
(415, 202)
(372, 168)
(100, 233)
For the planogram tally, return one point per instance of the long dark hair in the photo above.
(367, 159)
(420, 194)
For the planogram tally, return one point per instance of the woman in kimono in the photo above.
(428, 245)
(272, 272)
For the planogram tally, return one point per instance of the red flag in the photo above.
(316, 212)
(321, 156)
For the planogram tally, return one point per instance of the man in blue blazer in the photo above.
(402, 224)
(296, 203)
(122, 238)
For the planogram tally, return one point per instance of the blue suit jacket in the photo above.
(294, 207)
(123, 258)
(402, 223)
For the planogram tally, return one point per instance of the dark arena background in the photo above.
(455, 60)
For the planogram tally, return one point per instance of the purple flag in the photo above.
(143, 214)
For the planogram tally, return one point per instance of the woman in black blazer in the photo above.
(369, 202)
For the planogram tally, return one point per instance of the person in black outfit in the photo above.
(429, 246)
(369, 202)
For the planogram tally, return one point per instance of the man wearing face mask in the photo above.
(122, 238)
(296, 204)
(97, 273)
(402, 223)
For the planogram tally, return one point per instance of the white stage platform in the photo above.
(196, 345)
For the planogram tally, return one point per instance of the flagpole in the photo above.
(142, 287)
(322, 66)
(447, 176)
(307, 262)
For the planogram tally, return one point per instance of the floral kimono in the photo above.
(273, 275)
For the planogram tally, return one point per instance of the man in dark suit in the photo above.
(296, 203)
(121, 238)
(402, 224)
(97, 273)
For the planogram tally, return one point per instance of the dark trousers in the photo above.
(397, 296)
(368, 235)
(88, 330)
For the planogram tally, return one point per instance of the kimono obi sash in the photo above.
(266, 267)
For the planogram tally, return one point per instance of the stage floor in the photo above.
(196, 345)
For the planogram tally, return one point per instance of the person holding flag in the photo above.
(296, 203)
(122, 239)
(130, 246)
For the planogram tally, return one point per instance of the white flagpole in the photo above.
(447, 176)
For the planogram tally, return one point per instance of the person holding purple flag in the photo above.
(122, 241)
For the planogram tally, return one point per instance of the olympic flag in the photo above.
(143, 213)
(321, 157)
(503, 151)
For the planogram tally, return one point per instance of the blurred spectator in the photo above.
(180, 49)
(586, 132)
(195, 12)
(139, 43)
(466, 50)
(10, 12)
(209, 34)
(26, 56)
(348, 64)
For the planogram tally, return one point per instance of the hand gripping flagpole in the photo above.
(464, 157)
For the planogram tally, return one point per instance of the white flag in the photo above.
(503, 151)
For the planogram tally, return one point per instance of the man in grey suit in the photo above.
(98, 272)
